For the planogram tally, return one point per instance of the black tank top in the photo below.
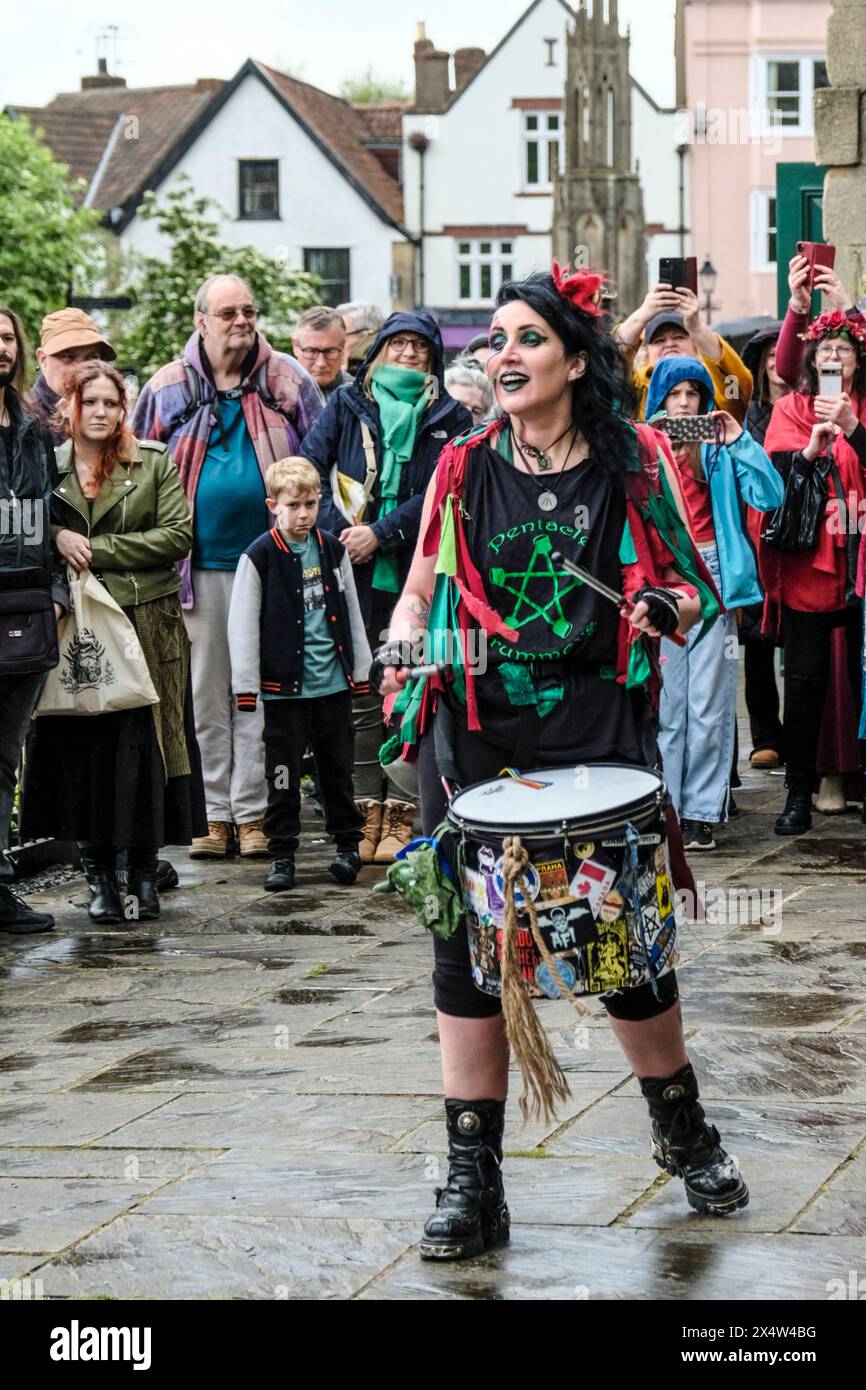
(511, 540)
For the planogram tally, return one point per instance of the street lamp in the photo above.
(708, 276)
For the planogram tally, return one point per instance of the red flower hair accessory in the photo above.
(836, 325)
(583, 289)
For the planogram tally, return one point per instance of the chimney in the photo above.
(209, 84)
(102, 78)
(432, 88)
(467, 61)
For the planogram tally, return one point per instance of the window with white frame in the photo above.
(482, 266)
(764, 230)
(542, 149)
(783, 90)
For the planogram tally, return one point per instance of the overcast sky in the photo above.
(47, 47)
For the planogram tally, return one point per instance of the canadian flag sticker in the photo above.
(592, 881)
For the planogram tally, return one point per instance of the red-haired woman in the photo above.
(130, 779)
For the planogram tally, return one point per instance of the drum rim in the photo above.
(601, 823)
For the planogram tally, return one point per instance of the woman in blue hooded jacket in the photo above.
(375, 449)
(699, 691)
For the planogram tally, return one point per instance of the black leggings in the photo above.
(807, 675)
(454, 990)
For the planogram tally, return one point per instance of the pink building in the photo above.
(747, 71)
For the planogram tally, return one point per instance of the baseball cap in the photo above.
(660, 321)
(72, 328)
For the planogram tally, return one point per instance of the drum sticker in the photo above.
(620, 842)
(486, 859)
(658, 938)
(482, 955)
(527, 955)
(611, 907)
(663, 892)
(546, 982)
(607, 958)
(565, 926)
(553, 877)
(475, 888)
(530, 878)
(592, 881)
(583, 849)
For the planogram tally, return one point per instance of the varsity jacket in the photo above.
(266, 618)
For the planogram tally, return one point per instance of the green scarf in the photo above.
(402, 396)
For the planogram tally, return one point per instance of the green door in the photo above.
(799, 217)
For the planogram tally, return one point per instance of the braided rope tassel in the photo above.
(543, 1078)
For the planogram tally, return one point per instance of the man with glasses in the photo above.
(227, 409)
(67, 337)
(362, 322)
(319, 342)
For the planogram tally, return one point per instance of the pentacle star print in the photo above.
(526, 608)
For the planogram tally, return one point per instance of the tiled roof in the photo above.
(78, 143)
(343, 130)
(162, 114)
(382, 120)
(79, 127)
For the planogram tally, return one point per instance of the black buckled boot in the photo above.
(143, 870)
(797, 815)
(688, 1148)
(106, 904)
(471, 1215)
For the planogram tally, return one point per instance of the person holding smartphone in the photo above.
(803, 278)
(699, 680)
(668, 324)
(811, 593)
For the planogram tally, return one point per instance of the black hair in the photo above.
(603, 398)
(19, 375)
(809, 377)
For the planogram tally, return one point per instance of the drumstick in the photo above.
(606, 592)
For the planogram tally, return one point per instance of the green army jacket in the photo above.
(138, 524)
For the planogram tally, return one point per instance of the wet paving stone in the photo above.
(247, 1257)
(41, 1215)
(71, 1118)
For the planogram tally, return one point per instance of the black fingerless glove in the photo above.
(398, 654)
(662, 608)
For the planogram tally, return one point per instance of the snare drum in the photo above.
(598, 876)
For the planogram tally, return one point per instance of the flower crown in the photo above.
(836, 325)
(583, 288)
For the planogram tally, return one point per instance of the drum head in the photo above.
(584, 796)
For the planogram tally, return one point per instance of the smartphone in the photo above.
(688, 429)
(680, 272)
(817, 253)
(830, 379)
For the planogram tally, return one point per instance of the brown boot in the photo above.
(372, 828)
(252, 841)
(215, 844)
(397, 830)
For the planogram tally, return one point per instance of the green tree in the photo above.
(370, 85)
(46, 242)
(163, 289)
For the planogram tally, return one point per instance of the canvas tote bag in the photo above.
(102, 666)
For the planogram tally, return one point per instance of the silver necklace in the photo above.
(547, 498)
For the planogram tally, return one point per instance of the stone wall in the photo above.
(840, 120)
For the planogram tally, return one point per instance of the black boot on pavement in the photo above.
(143, 873)
(687, 1147)
(281, 876)
(346, 865)
(471, 1214)
(106, 905)
(797, 815)
(19, 919)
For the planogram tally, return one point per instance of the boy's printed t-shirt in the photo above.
(323, 674)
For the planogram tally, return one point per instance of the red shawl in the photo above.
(815, 581)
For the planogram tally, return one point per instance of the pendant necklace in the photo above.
(541, 456)
(547, 498)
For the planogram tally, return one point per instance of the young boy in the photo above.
(296, 635)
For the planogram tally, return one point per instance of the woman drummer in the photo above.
(568, 678)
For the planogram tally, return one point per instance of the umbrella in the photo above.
(737, 332)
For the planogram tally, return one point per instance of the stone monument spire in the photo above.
(598, 202)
